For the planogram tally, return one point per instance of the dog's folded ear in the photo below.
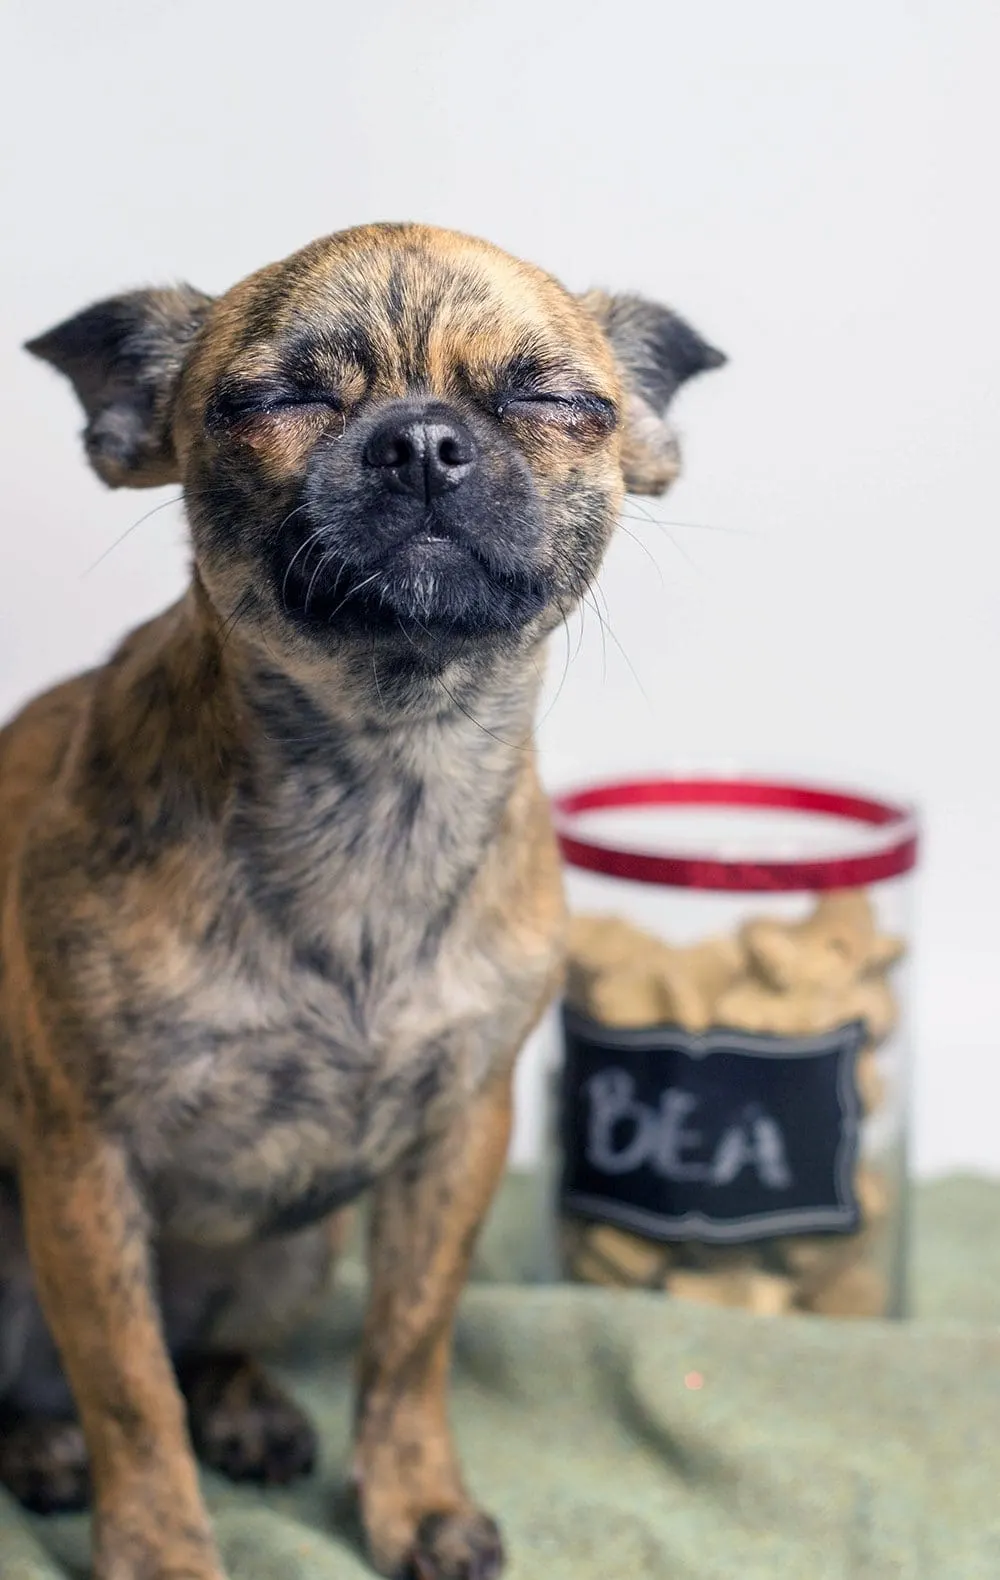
(124, 358)
(656, 352)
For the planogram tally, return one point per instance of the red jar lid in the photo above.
(893, 854)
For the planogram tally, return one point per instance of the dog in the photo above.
(281, 899)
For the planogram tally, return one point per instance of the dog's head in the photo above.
(399, 433)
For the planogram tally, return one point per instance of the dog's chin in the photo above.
(430, 593)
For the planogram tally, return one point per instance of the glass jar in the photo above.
(731, 1109)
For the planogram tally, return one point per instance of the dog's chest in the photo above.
(350, 1001)
(273, 1099)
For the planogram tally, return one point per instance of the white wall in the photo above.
(812, 185)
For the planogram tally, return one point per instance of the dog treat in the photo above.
(630, 997)
(631, 1258)
(795, 980)
(625, 977)
(859, 1290)
(589, 1268)
(869, 1080)
(872, 1190)
(813, 1259)
(766, 1294)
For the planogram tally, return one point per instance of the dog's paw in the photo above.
(44, 1464)
(243, 1425)
(464, 1545)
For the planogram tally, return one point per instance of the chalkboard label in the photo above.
(721, 1136)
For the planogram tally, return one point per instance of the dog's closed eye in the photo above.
(579, 414)
(233, 403)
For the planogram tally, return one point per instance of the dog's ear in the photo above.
(656, 352)
(124, 358)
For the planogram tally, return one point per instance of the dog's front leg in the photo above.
(87, 1235)
(417, 1515)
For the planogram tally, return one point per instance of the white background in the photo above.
(814, 186)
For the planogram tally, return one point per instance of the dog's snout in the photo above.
(422, 455)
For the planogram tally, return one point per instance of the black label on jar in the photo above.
(718, 1136)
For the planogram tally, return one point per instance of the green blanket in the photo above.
(812, 1450)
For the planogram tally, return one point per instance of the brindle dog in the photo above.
(280, 896)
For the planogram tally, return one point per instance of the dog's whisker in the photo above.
(602, 626)
(651, 557)
(511, 745)
(317, 573)
(664, 528)
(352, 593)
(378, 688)
(164, 503)
(606, 625)
(235, 615)
(291, 514)
(686, 526)
(306, 545)
(583, 622)
(264, 637)
(681, 551)
(291, 564)
(593, 588)
(514, 746)
(565, 674)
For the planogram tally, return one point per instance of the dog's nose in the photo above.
(421, 455)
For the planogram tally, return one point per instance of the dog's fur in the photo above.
(280, 896)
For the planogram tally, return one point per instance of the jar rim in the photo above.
(895, 854)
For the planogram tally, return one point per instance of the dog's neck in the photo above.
(335, 799)
(357, 814)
